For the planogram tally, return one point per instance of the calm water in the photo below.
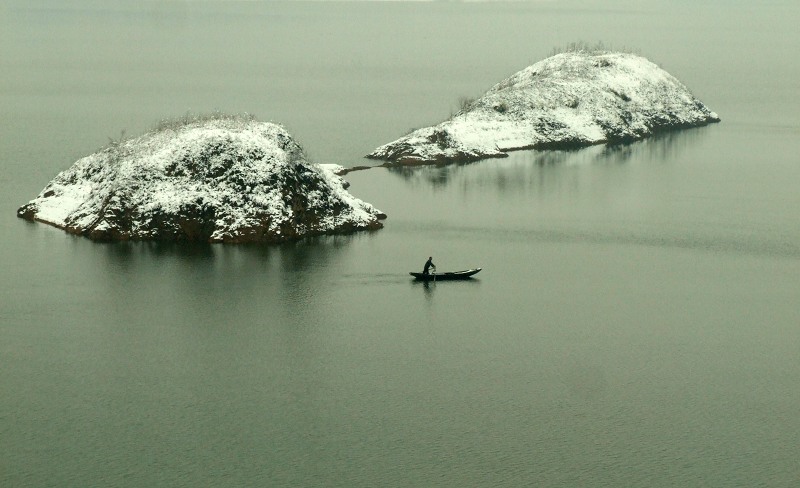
(636, 322)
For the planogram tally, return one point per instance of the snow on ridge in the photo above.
(571, 99)
(217, 180)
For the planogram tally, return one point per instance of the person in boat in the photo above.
(428, 265)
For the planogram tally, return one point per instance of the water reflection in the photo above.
(428, 287)
(212, 283)
(516, 169)
(124, 253)
(295, 256)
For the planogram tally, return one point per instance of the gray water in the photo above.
(636, 322)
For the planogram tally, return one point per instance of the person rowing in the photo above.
(428, 265)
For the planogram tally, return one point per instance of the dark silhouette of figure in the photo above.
(428, 265)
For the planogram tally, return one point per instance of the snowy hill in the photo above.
(568, 100)
(216, 179)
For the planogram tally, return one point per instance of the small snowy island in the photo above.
(212, 178)
(569, 100)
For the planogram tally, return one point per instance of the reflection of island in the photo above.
(521, 168)
(221, 286)
(287, 259)
(570, 100)
(214, 179)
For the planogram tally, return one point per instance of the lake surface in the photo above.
(636, 322)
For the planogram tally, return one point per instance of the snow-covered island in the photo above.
(568, 100)
(215, 178)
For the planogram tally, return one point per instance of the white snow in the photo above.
(575, 99)
(251, 176)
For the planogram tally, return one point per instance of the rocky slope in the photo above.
(568, 100)
(220, 179)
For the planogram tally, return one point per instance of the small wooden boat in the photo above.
(449, 275)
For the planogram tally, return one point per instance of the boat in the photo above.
(449, 275)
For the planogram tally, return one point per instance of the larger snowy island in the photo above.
(215, 179)
(568, 100)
